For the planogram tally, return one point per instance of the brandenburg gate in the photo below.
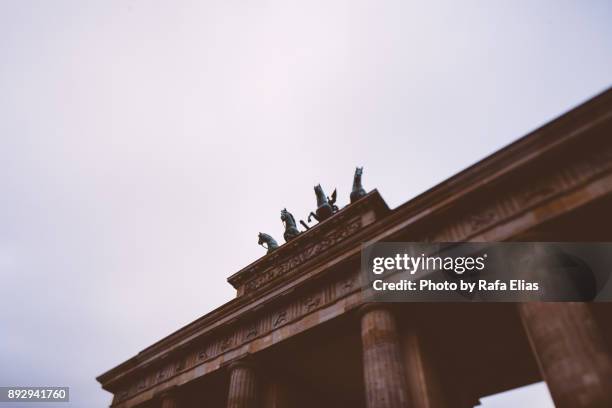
(300, 332)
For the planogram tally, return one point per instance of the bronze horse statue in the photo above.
(268, 240)
(326, 206)
(358, 190)
(291, 230)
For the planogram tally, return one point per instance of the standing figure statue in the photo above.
(325, 206)
(268, 240)
(358, 190)
(291, 230)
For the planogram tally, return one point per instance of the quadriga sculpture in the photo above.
(325, 206)
(358, 190)
(268, 240)
(291, 230)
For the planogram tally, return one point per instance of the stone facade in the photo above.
(299, 334)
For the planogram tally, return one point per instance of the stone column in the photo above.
(385, 383)
(423, 386)
(242, 389)
(571, 353)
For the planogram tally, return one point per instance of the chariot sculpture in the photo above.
(326, 207)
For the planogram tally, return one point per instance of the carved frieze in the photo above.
(524, 196)
(255, 327)
(286, 266)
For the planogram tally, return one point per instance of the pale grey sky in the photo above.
(145, 143)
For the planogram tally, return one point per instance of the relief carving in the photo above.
(279, 318)
(536, 192)
(226, 343)
(345, 286)
(202, 355)
(251, 331)
(311, 302)
(479, 220)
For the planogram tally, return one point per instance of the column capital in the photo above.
(244, 362)
(371, 306)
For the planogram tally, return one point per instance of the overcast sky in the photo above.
(144, 144)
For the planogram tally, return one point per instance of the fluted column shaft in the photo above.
(383, 372)
(571, 353)
(423, 387)
(243, 386)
